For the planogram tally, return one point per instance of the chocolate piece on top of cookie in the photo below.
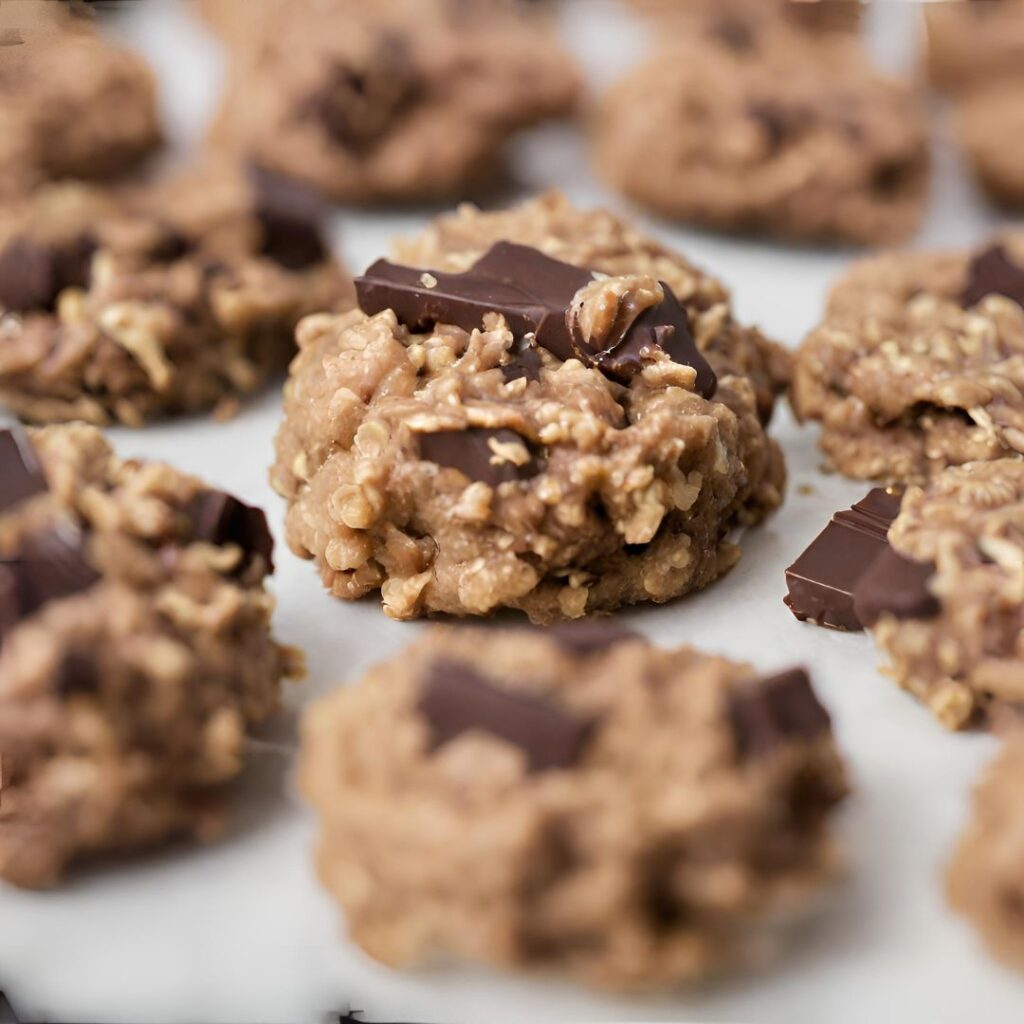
(993, 272)
(823, 579)
(457, 698)
(770, 712)
(543, 298)
(588, 637)
(290, 215)
(32, 274)
(220, 518)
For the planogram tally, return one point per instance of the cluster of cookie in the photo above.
(538, 409)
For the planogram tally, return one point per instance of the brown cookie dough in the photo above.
(135, 650)
(736, 17)
(173, 299)
(528, 436)
(946, 601)
(72, 104)
(970, 43)
(919, 363)
(601, 241)
(574, 801)
(392, 101)
(768, 131)
(986, 876)
(989, 123)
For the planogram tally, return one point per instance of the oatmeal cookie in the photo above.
(989, 122)
(919, 363)
(970, 43)
(572, 801)
(601, 241)
(986, 876)
(72, 104)
(135, 650)
(522, 434)
(394, 101)
(174, 299)
(769, 132)
(945, 600)
(736, 17)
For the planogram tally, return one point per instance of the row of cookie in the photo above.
(745, 120)
(572, 801)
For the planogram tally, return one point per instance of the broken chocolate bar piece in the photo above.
(456, 698)
(895, 585)
(219, 518)
(822, 580)
(584, 637)
(535, 295)
(21, 477)
(766, 713)
(992, 272)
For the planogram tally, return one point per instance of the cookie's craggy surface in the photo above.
(177, 298)
(683, 822)
(986, 877)
(971, 43)
(599, 240)
(759, 127)
(391, 101)
(72, 105)
(964, 657)
(596, 493)
(917, 366)
(132, 660)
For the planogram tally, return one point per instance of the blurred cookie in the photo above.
(572, 801)
(171, 299)
(919, 363)
(737, 16)
(135, 650)
(989, 123)
(945, 601)
(971, 43)
(770, 132)
(396, 101)
(72, 104)
(522, 433)
(986, 876)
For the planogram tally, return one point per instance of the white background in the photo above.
(240, 932)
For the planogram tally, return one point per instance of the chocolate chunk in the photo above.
(733, 33)
(766, 713)
(76, 674)
(590, 636)
(290, 215)
(895, 585)
(50, 565)
(32, 276)
(470, 451)
(219, 518)
(456, 698)
(21, 476)
(992, 272)
(822, 580)
(357, 105)
(535, 294)
(524, 362)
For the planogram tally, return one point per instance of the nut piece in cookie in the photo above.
(599, 240)
(945, 601)
(919, 363)
(178, 297)
(394, 100)
(767, 131)
(524, 433)
(986, 876)
(135, 650)
(72, 103)
(580, 803)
